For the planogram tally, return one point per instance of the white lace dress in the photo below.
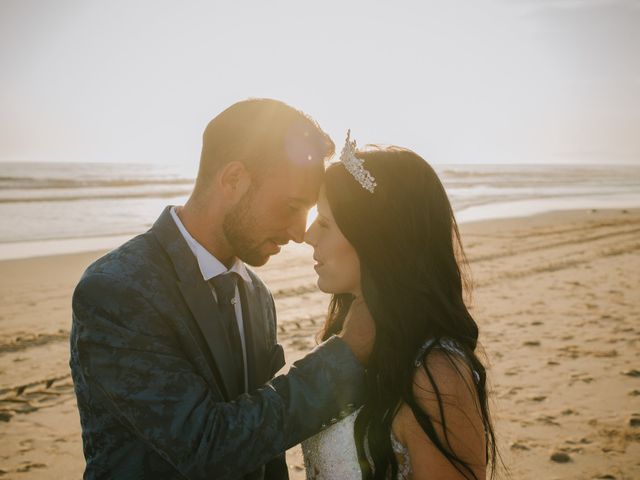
(332, 454)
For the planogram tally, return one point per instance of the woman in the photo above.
(385, 235)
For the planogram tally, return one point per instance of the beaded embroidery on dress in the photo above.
(331, 454)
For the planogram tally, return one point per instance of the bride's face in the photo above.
(337, 263)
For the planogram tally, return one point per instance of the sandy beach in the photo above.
(556, 297)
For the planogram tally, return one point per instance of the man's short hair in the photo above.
(263, 134)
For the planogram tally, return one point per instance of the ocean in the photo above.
(48, 208)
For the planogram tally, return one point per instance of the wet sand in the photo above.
(556, 297)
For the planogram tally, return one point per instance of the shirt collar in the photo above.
(209, 265)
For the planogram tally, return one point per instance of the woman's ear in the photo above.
(234, 180)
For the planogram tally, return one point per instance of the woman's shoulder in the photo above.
(445, 370)
(444, 389)
(444, 367)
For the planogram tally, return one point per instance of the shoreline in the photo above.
(478, 213)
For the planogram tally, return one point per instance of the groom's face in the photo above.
(272, 212)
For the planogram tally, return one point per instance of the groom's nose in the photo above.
(297, 229)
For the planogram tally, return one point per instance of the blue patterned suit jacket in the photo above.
(150, 363)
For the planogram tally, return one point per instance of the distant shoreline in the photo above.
(481, 213)
(529, 207)
(64, 208)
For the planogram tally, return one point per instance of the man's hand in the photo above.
(359, 330)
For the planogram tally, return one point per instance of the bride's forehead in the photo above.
(323, 207)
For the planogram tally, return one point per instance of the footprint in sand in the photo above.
(548, 420)
(301, 345)
(605, 353)
(582, 441)
(582, 377)
(569, 411)
(27, 466)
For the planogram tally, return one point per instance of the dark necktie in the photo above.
(225, 287)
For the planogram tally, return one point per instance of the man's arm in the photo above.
(127, 357)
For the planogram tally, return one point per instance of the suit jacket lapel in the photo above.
(256, 337)
(205, 310)
(198, 296)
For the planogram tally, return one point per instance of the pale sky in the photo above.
(487, 81)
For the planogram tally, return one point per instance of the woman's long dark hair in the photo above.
(408, 243)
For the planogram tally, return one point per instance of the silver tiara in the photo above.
(355, 165)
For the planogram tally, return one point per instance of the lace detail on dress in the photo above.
(404, 465)
(331, 454)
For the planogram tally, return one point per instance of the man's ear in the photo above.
(234, 180)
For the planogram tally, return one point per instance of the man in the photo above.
(174, 338)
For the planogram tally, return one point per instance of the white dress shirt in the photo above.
(211, 267)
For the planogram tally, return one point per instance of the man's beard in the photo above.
(238, 226)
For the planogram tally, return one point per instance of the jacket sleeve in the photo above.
(133, 365)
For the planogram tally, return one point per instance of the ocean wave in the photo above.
(14, 183)
(471, 174)
(97, 196)
(538, 173)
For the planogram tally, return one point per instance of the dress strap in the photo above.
(447, 344)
